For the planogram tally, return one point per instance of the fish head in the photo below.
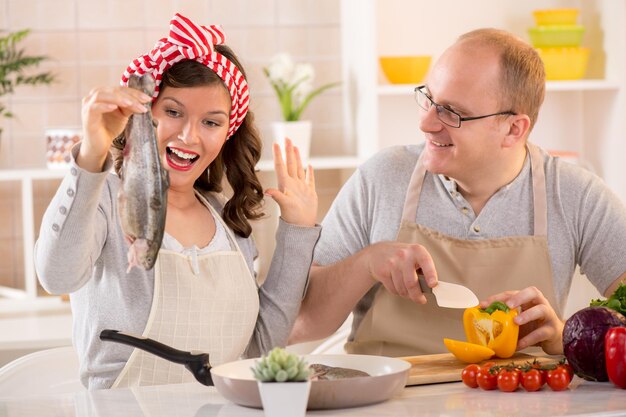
(147, 261)
(141, 254)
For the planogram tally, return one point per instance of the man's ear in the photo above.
(518, 128)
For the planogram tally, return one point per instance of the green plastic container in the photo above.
(556, 36)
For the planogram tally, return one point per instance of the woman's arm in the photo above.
(283, 289)
(73, 230)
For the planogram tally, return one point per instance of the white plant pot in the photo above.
(284, 399)
(300, 134)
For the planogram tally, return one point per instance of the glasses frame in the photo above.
(440, 109)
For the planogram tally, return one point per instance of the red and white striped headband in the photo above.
(190, 41)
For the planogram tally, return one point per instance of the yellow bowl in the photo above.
(405, 69)
(564, 63)
(556, 36)
(555, 17)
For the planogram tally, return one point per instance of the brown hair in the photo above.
(237, 158)
(523, 77)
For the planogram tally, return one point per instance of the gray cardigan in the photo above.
(81, 250)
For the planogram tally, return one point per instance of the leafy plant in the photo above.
(15, 65)
(281, 366)
(293, 84)
(617, 300)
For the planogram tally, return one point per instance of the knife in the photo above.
(449, 295)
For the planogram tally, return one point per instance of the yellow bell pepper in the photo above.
(492, 327)
(468, 352)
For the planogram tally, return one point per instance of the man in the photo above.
(476, 204)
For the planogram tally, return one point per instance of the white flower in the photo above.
(293, 84)
(281, 69)
(302, 78)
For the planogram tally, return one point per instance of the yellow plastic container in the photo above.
(550, 17)
(564, 63)
(405, 69)
(556, 36)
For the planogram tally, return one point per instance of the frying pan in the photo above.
(235, 381)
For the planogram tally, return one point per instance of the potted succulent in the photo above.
(284, 384)
(293, 84)
(17, 68)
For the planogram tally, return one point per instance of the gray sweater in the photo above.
(586, 220)
(81, 250)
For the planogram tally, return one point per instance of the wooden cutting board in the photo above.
(444, 367)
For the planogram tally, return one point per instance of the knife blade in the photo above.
(449, 295)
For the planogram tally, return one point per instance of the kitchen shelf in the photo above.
(319, 163)
(582, 85)
(574, 85)
(26, 178)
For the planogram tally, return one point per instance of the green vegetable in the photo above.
(496, 305)
(617, 300)
(281, 366)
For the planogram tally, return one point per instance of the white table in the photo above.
(450, 400)
(30, 325)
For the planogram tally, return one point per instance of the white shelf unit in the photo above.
(586, 116)
(318, 163)
(26, 179)
(582, 85)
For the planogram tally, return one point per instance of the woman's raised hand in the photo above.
(105, 112)
(295, 194)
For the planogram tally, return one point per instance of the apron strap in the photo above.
(539, 191)
(411, 201)
(218, 218)
(540, 207)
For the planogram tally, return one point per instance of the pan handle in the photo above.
(198, 364)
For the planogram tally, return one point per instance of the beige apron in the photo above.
(396, 326)
(214, 311)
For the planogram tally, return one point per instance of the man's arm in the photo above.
(335, 290)
(614, 285)
(332, 294)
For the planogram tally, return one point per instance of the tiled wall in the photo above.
(90, 42)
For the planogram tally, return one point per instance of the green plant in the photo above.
(293, 84)
(281, 366)
(16, 67)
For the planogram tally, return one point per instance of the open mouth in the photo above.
(441, 145)
(180, 159)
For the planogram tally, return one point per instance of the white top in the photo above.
(220, 242)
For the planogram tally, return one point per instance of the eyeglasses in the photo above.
(447, 116)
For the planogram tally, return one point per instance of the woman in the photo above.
(201, 293)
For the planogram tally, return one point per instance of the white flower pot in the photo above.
(300, 134)
(284, 399)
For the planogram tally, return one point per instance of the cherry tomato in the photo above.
(570, 370)
(468, 375)
(558, 379)
(543, 372)
(508, 380)
(486, 380)
(532, 380)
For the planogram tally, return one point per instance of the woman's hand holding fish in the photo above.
(296, 194)
(105, 113)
